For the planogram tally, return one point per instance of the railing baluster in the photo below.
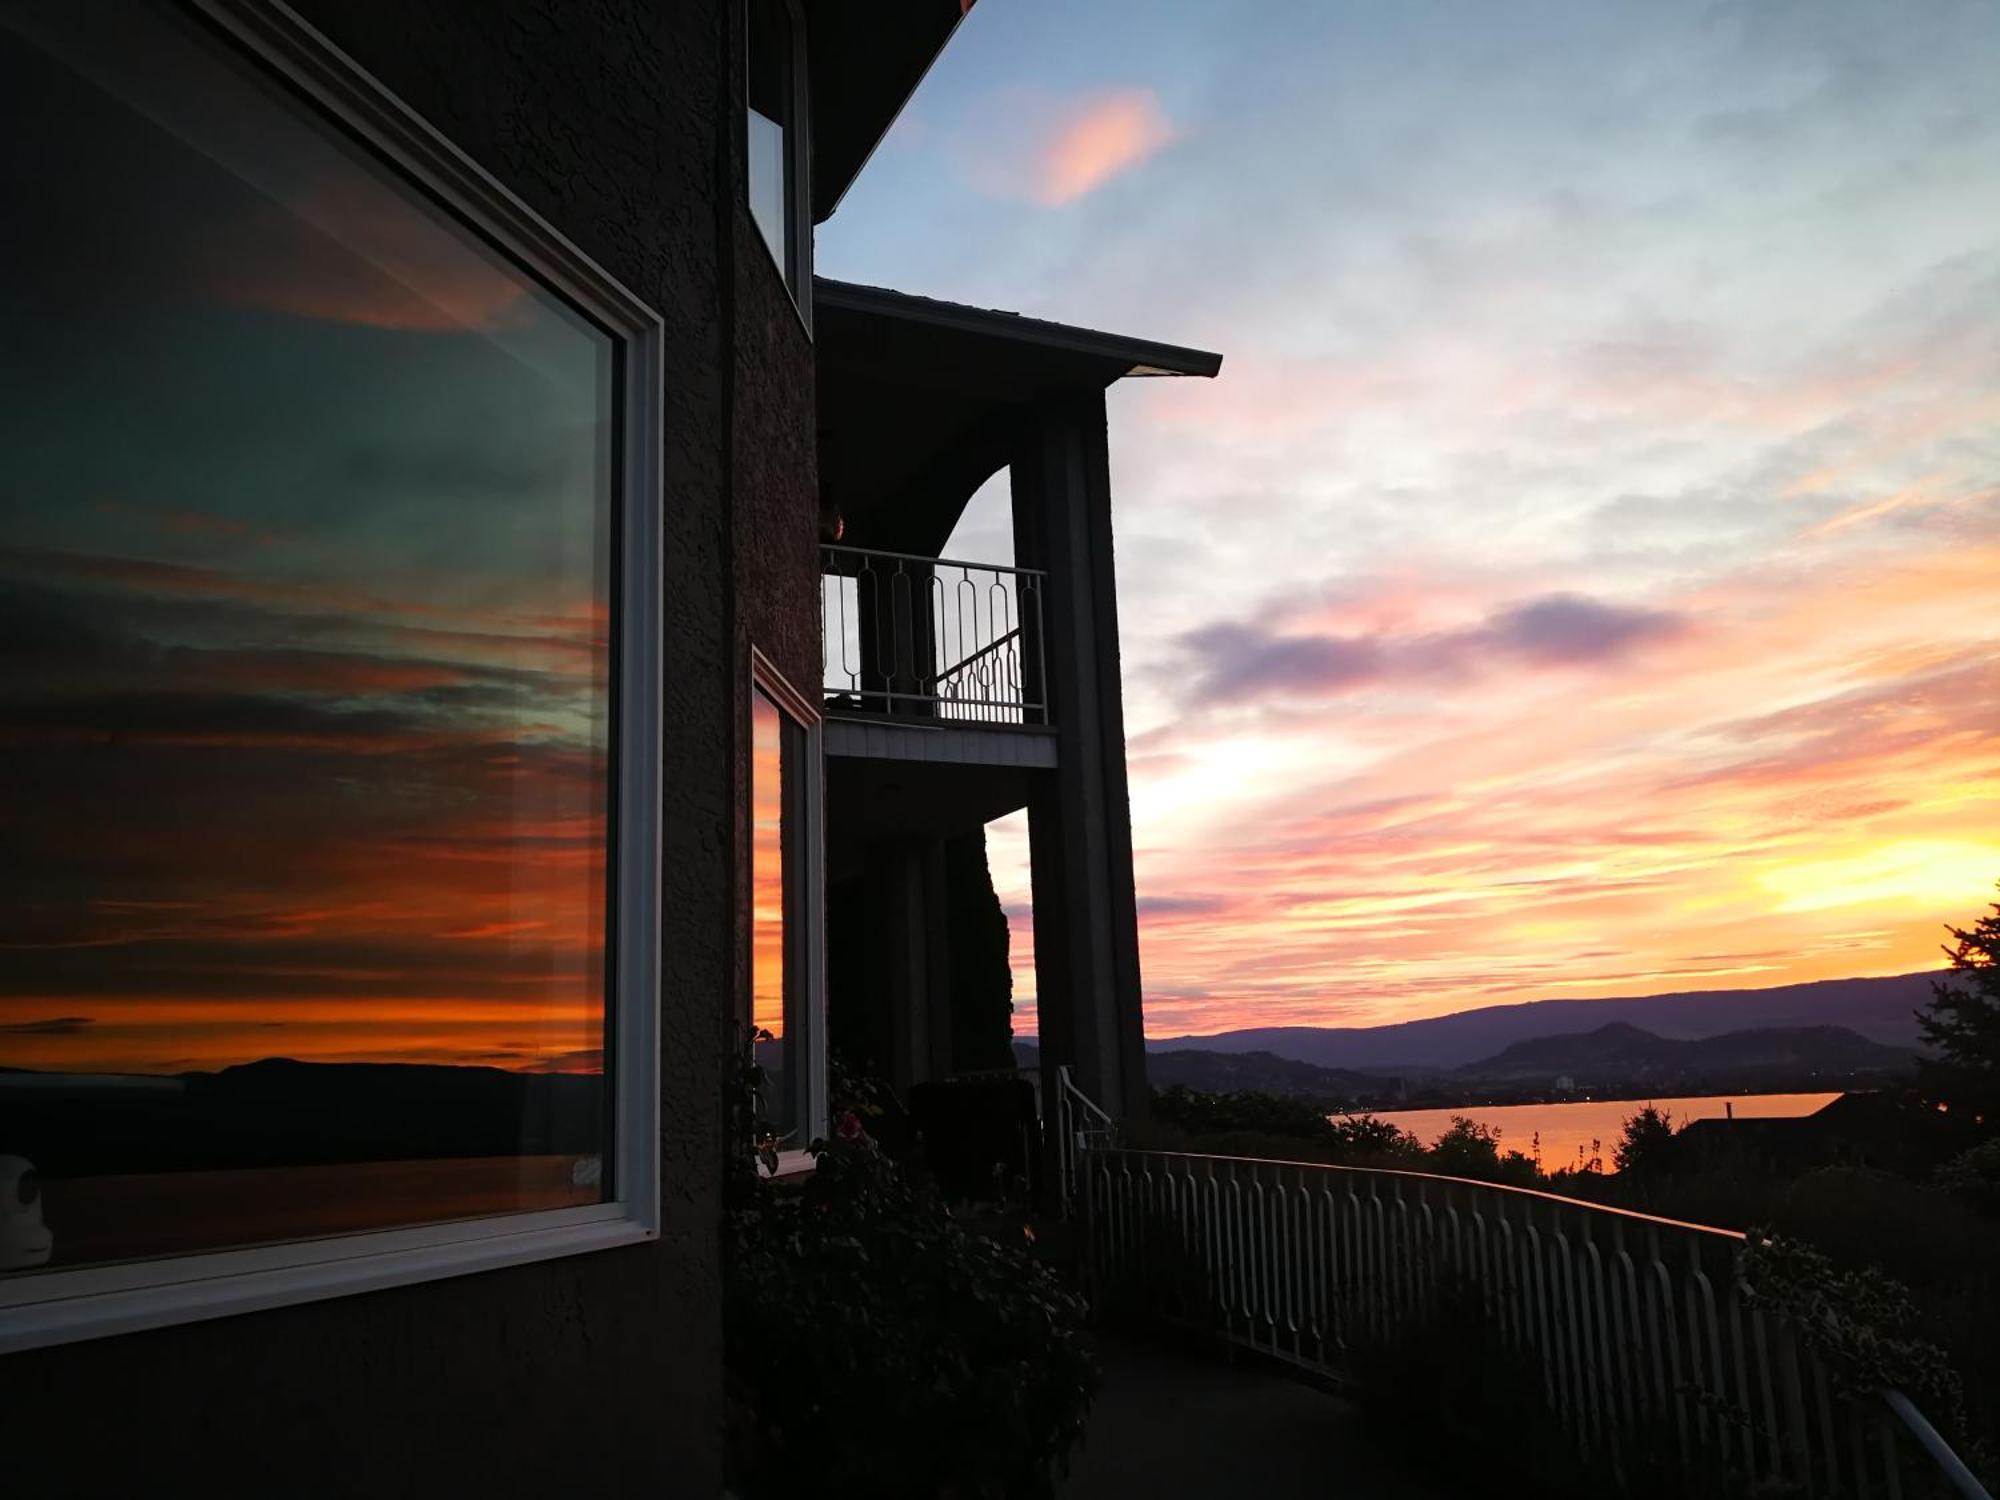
(934, 636)
(1619, 1311)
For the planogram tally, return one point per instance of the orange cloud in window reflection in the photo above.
(767, 872)
(173, 1034)
(388, 849)
(358, 253)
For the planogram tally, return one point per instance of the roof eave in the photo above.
(1139, 357)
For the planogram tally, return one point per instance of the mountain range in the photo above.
(1877, 1010)
(1615, 1059)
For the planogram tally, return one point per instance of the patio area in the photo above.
(1169, 1424)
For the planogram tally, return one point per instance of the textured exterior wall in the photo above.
(774, 525)
(598, 1374)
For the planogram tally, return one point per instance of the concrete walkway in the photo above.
(1168, 1425)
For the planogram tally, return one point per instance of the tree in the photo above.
(1962, 1025)
(1470, 1149)
(1648, 1147)
(1367, 1137)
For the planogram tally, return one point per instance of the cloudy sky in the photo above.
(1583, 578)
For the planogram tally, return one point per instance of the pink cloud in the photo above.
(1068, 148)
(1104, 137)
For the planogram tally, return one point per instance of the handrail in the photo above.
(935, 562)
(1471, 1182)
(1073, 1139)
(964, 662)
(1639, 1330)
(1928, 1438)
(1090, 1106)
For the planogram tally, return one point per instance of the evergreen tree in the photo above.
(1962, 1024)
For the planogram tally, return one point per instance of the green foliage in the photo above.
(1973, 1176)
(1962, 1024)
(1648, 1147)
(1858, 1322)
(1366, 1138)
(1245, 1110)
(879, 1347)
(1469, 1149)
(1249, 1123)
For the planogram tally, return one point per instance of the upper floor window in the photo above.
(779, 145)
(323, 572)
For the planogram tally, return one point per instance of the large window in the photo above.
(778, 145)
(787, 1007)
(325, 743)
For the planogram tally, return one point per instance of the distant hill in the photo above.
(1880, 1010)
(1621, 1052)
(1265, 1072)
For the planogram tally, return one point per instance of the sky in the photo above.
(284, 774)
(1583, 577)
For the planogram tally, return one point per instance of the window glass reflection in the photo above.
(304, 673)
(767, 904)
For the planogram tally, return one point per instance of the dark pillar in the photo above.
(916, 947)
(1079, 815)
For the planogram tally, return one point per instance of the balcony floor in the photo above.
(1169, 1425)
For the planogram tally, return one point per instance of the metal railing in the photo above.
(932, 637)
(1641, 1329)
(1080, 1124)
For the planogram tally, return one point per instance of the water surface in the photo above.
(1557, 1133)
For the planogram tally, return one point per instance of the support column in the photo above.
(917, 948)
(1079, 815)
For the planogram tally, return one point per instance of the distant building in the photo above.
(1889, 1129)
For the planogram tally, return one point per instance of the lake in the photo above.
(1565, 1129)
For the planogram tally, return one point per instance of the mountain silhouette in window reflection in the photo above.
(281, 1112)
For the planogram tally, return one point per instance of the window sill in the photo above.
(97, 1302)
(793, 1164)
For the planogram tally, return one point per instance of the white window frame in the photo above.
(795, 266)
(807, 1083)
(51, 1307)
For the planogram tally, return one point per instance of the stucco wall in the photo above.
(597, 1374)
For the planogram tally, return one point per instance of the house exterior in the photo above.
(424, 743)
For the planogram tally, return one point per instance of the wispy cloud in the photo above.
(1038, 148)
(1235, 661)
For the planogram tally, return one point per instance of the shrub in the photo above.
(1973, 1176)
(878, 1347)
(1248, 1123)
(1859, 1323)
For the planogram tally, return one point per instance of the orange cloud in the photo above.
(358, 253)
(1106, 136)
(1805, 788)
(1069, 148)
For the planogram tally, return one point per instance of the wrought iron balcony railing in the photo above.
(932, 638)
(1642, 1332)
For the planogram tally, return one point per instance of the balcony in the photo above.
(932, 638)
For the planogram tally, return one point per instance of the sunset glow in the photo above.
(304, 569)
(1584, 577)
(767, 867)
